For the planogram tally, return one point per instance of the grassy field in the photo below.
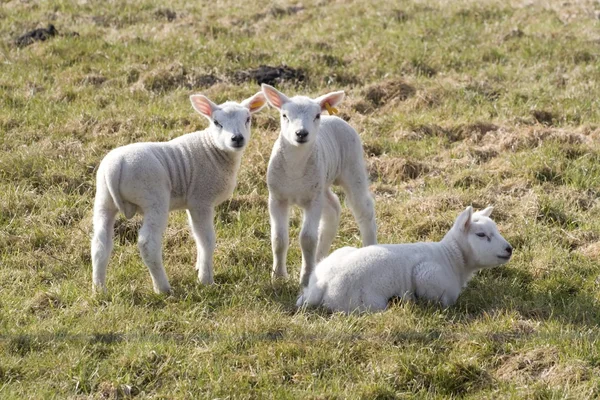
(466, 102)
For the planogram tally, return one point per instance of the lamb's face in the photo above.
(300, 115)
(480, 237)
(488, 247)
(300, 120)
(231, 127)
(230, 122)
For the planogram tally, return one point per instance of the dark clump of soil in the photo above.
(543, 117)
(270, 75)
(36, 35)
(165, 13)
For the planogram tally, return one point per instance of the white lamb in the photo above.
(311, 154)
(196, 172)
(366, 279)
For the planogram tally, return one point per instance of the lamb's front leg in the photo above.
(279, 215)
(308, 239)
(202, 224)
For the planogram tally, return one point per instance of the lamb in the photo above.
(365, 279)
(196, 172)
(311, 154)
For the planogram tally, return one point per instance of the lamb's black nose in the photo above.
(509, 249)
(301, 134)
(237, 139)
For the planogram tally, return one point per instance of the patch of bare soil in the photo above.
(36, 35)
(270, 75)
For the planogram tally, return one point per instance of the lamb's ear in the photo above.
(203, 105)
(463, 221)
(255, 103)
(486, 213)
(330, 100)
(274, 96)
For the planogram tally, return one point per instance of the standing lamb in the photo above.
(196, 171)
(366, 279)
(311, 154)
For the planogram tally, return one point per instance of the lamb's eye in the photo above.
(218, 124)
(247, 120)
(285, 117)
(318, 117)
(481, 234)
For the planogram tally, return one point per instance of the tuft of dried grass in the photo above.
(44, 301)
(379, 94)
(394, 170)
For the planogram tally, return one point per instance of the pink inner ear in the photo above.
(203, 107)
(274, 98)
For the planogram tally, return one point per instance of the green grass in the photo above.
(457, 103)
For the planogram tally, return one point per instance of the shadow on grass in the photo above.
(509, 289)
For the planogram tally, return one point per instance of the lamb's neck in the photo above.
(456, 258)
(220, 159)
(296, 157)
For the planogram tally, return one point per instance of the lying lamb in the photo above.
(310, 155)
(196, 171)
(366, 279)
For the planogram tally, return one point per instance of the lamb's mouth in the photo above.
(304, 140)
(504, 257)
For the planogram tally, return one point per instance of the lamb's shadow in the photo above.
(512, 290)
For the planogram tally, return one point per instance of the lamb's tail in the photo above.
(112, 178)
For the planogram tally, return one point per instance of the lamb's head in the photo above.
(300, 115)
(230, 121)
(480, 240)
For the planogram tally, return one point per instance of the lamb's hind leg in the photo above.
(363, 207)
(150, 244)
(102, 243)
(330, 220)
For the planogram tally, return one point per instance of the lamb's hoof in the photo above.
(166, 290)
(279, 277)
(98, 289)
(206, 281)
